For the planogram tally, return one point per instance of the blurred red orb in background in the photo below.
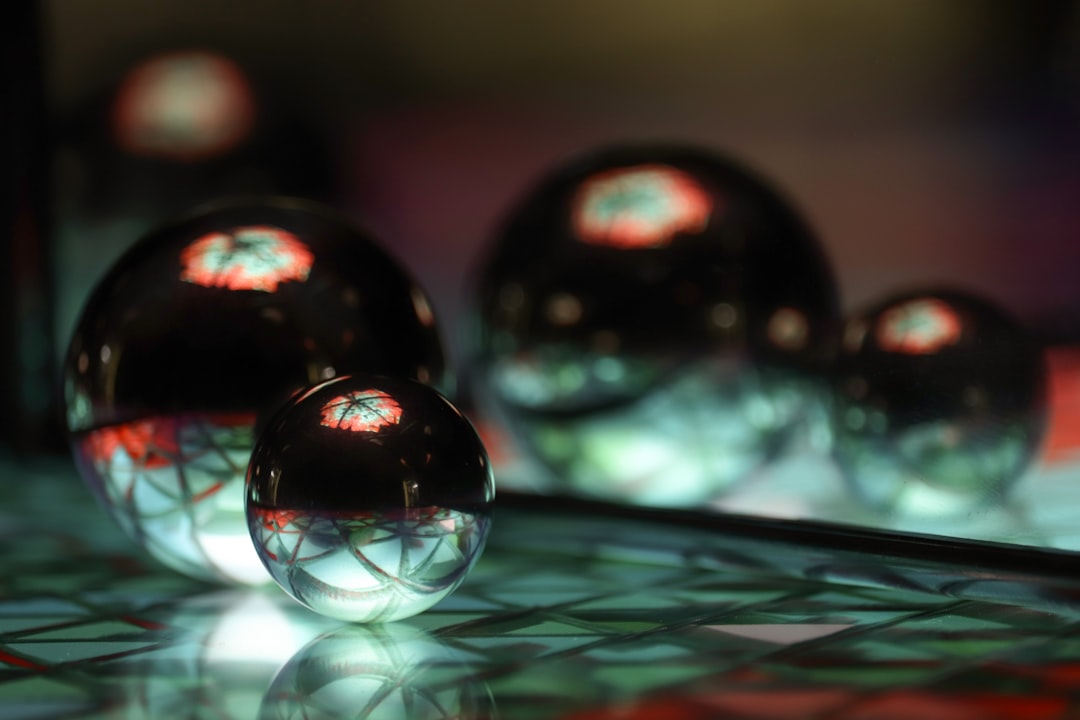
(184, 106)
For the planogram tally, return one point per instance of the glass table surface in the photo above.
(575, 610)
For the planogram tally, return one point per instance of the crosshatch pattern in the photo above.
(559, 619)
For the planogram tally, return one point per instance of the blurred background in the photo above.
(926, 142)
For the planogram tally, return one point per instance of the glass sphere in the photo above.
(651, 323)
(368, 498)
(200, 328)
(941, 401)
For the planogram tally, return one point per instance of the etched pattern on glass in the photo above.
(175, 484)
(369, 567)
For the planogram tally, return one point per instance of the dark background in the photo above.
(927, 142)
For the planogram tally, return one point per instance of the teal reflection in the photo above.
(222, 651)
(377, 671)
(653, 431)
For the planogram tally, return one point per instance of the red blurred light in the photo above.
(361, 411)
(184, 106)
(643, 206)
(919, 327)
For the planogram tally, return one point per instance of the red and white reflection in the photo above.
(257, 257)
(163, 442)
(183, 106)
(361, 411)
(919, 327)
(151, 443)
(643, 206)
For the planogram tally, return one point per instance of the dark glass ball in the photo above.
(650, 321)
(941, 402)
(368, 498)
(203, 326)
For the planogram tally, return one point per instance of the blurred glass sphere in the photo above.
(941, 402)
(651, 323)
(200, 328)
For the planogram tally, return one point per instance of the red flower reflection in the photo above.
(155, 442)
(151, 443)
(256, 257)
(361, 411)
(183, 106)
(640, 207)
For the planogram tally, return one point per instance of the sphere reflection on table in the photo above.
(941, 402)
(201, 327)
(218, 652)
(652, 322)
(377, 671)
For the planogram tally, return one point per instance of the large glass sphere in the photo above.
(941, 401)
(368, 498)
(200, 328)
(651, 322)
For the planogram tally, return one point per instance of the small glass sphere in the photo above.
(651, 323)
(368, 498)
(202, 327)
(941, 402)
